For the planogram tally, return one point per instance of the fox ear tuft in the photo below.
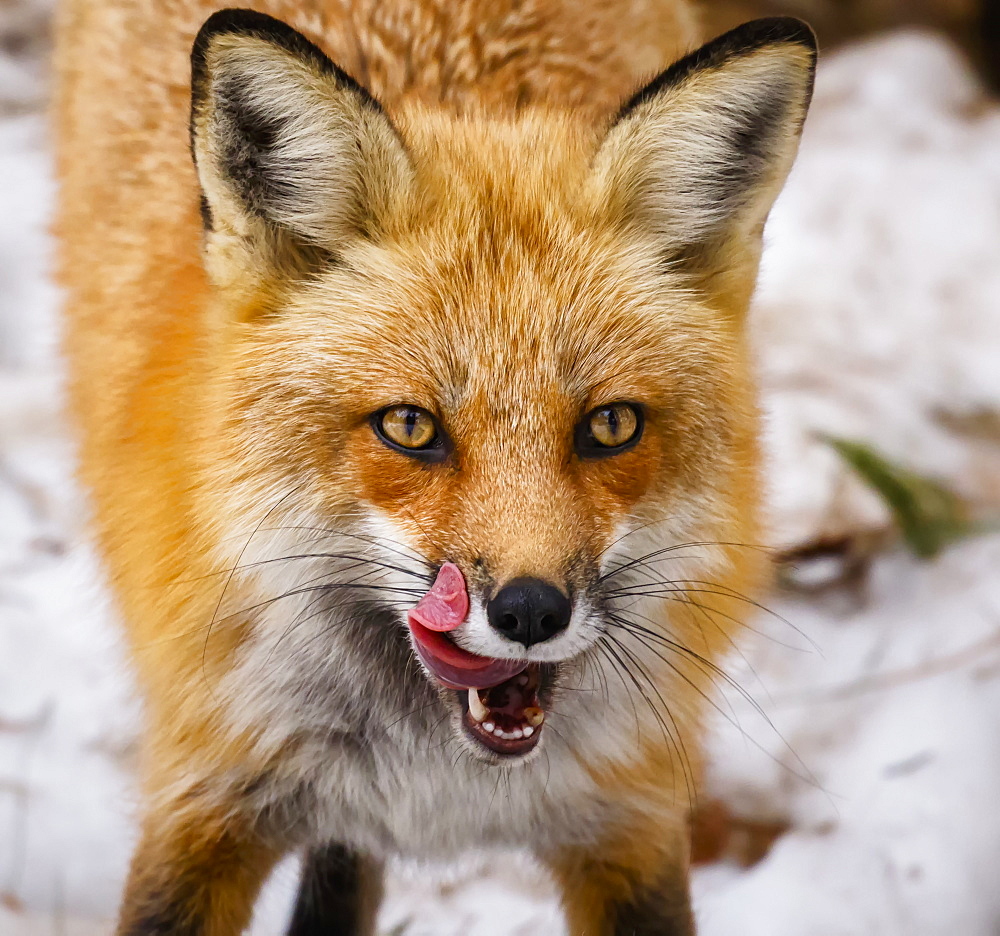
(291, 153)
(697, 157)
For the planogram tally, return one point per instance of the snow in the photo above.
(896, 830)
(877, 318)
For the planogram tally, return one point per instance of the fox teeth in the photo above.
(476, 708)
(534, 716)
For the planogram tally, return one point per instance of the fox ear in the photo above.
(293, 156)
(696, 158)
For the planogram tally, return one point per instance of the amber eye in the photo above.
(609, 429)
(409, 428)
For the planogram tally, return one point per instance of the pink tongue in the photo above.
(445, 606)
(443, 609)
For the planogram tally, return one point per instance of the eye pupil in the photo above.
(609, 428)
(407, 427)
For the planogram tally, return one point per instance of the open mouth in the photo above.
(498, 698)
(506, 718)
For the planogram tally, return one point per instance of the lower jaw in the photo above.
(510, 731)
(505, 747)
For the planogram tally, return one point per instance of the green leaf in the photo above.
(929, 515)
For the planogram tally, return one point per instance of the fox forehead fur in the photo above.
(507, 257)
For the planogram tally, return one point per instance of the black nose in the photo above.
(529, 611)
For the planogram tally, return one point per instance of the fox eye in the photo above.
(410, 429)
(608, 430)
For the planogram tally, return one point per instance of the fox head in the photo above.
(512, 343)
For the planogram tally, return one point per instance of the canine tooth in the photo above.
(522, 680)
(528, 731)
(534, 716)
(476, 708)
(489, 726)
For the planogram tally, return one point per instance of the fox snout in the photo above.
(543, 612)
(529, 611)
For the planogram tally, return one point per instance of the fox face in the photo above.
(496, 359)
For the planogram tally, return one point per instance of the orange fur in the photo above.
(195, 393)
(137, 335)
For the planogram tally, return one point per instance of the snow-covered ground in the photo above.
(878, 318)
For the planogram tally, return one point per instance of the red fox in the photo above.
(419, 423)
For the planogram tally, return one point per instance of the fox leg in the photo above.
(338, 894)
(197, 872)
(609, 895)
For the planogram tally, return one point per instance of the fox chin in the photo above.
(408, 357)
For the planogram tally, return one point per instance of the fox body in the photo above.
(447, 307)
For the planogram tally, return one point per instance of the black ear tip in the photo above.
(237, 19)
(250, 23)
(240, 22)
(743, 40)
(230, 20)
(778, 29)
(758, 34)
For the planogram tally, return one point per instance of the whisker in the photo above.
(647, 639)
(411, 712)
(712, 669)
(356, 560)
(326, 586)
(225, 588)
(608, 653)
(628, 533)
(708, 613)
(675, 739)
(379, 541)
(671, 588)
(666, 550)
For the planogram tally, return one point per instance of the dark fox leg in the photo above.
(659, 911)
(644, 893)
(338, 894)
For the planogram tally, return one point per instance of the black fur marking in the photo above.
(267, 29)
(664, 911)
(248, 135)
(989, 38)
(751, 141)
(751, 137)
(740, 41)
(160, 915)
(205, 209)
(329, 898)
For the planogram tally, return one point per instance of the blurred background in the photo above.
(855, 755)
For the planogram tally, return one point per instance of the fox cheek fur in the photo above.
(501, 274)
